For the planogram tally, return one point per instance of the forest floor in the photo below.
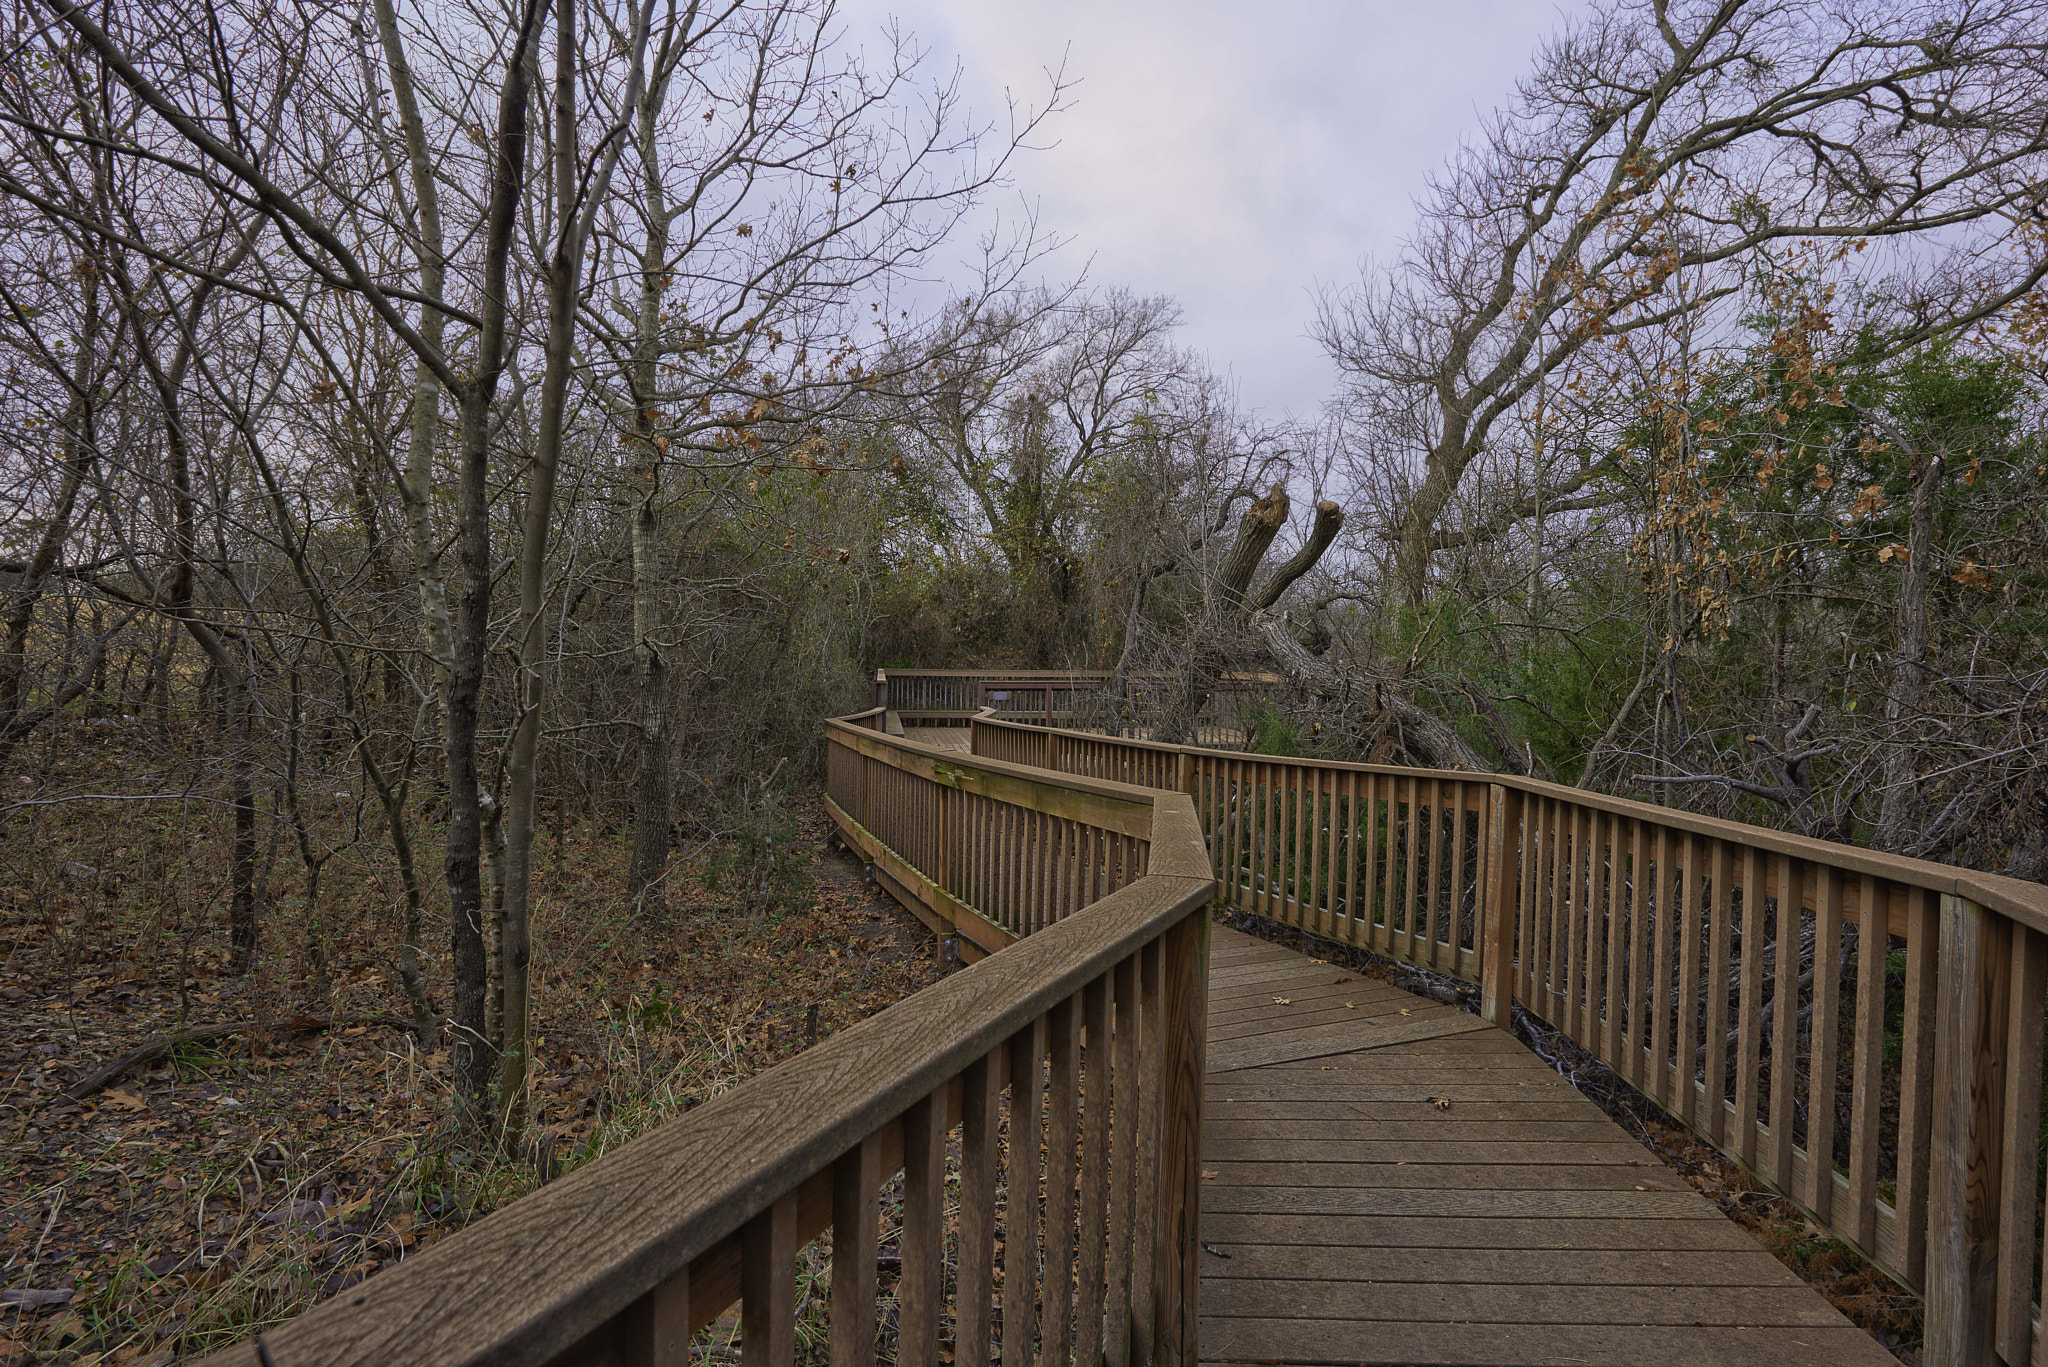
(1864, 1294)
(233, 1183)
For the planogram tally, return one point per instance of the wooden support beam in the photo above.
(1969, 1099)
(1497, 935)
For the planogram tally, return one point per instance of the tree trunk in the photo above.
(651, 811)
(1195, 680)
(417, 487)
(1414, 734)
(471, 620)
(1899, 808)
(529, 691)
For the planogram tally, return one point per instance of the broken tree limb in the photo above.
(1329, 521)
(1425, 738)
(1195, 680)
(156, 1046)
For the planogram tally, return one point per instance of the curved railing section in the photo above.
(1042, 1109)
(1783, 997)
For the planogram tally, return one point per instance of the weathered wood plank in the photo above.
(1322, 1229)
(1516, 1345)
(1501, 1266)
(1309, 1120)
(1516, 1303)
(1582, 1170)
(1452, 1204)
(1257, 1139)
(1339, 1040)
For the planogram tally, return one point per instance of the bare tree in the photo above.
(1653, 151)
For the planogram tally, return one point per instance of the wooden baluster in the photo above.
(1545, 983)
(984, 848)
(1461, 831)
(1823, 1048)
(1576, 928)
(1333, 840)
(1258, 841)
(1225, 850)
(1497, 916)
(1639, 976)
(1785, 1021)
(1719, 867)
(1411, 858)
(1445, 938)
(856, 1179)
(655, 1330)
(1964, 1200)
(1183, 1036)
(1056, 1314)
(974, 1282)
(1013, 868)
(1020, 1241)
(1428, 840)
(1660, 886)
(1123, 1156)
(2020, 1146)
(1916, 1080)
(1598, 982)
(1276, 836)
(1530, 910)
(1034, 869)
(1613, 906)
(1750, 1008)
(768, 1287)
(1145, 1175)
(919, 1290)
(1867, 1066)
(1687, 889)
(1066, 891)
(1299, 879)
(1307, 876)
(1094, 1176)
(1378, 925)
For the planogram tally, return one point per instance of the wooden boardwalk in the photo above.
(1388, 1180)
(945, 737)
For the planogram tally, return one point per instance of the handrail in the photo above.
(1095, 1024)
(1650, 937)
(952, 696)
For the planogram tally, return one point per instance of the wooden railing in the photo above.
(1891, 1087)
(943, 697)
(1061, 1080)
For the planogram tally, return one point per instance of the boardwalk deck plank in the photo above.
(1353, 1219)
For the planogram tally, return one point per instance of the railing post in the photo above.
(881, 688)
(1497, 930)
(1972, 1000)
(942, 878)
(1176, 1276)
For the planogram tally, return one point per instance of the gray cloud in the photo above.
(1233, 156)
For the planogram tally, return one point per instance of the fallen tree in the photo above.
(1245, 629)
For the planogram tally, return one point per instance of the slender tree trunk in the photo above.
(76, 453)
(471, 619)
(651, 795)
(242, 907)
(417, 488)
(523, 774)
(1899, 808)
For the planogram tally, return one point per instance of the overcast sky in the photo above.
(1233, 156)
